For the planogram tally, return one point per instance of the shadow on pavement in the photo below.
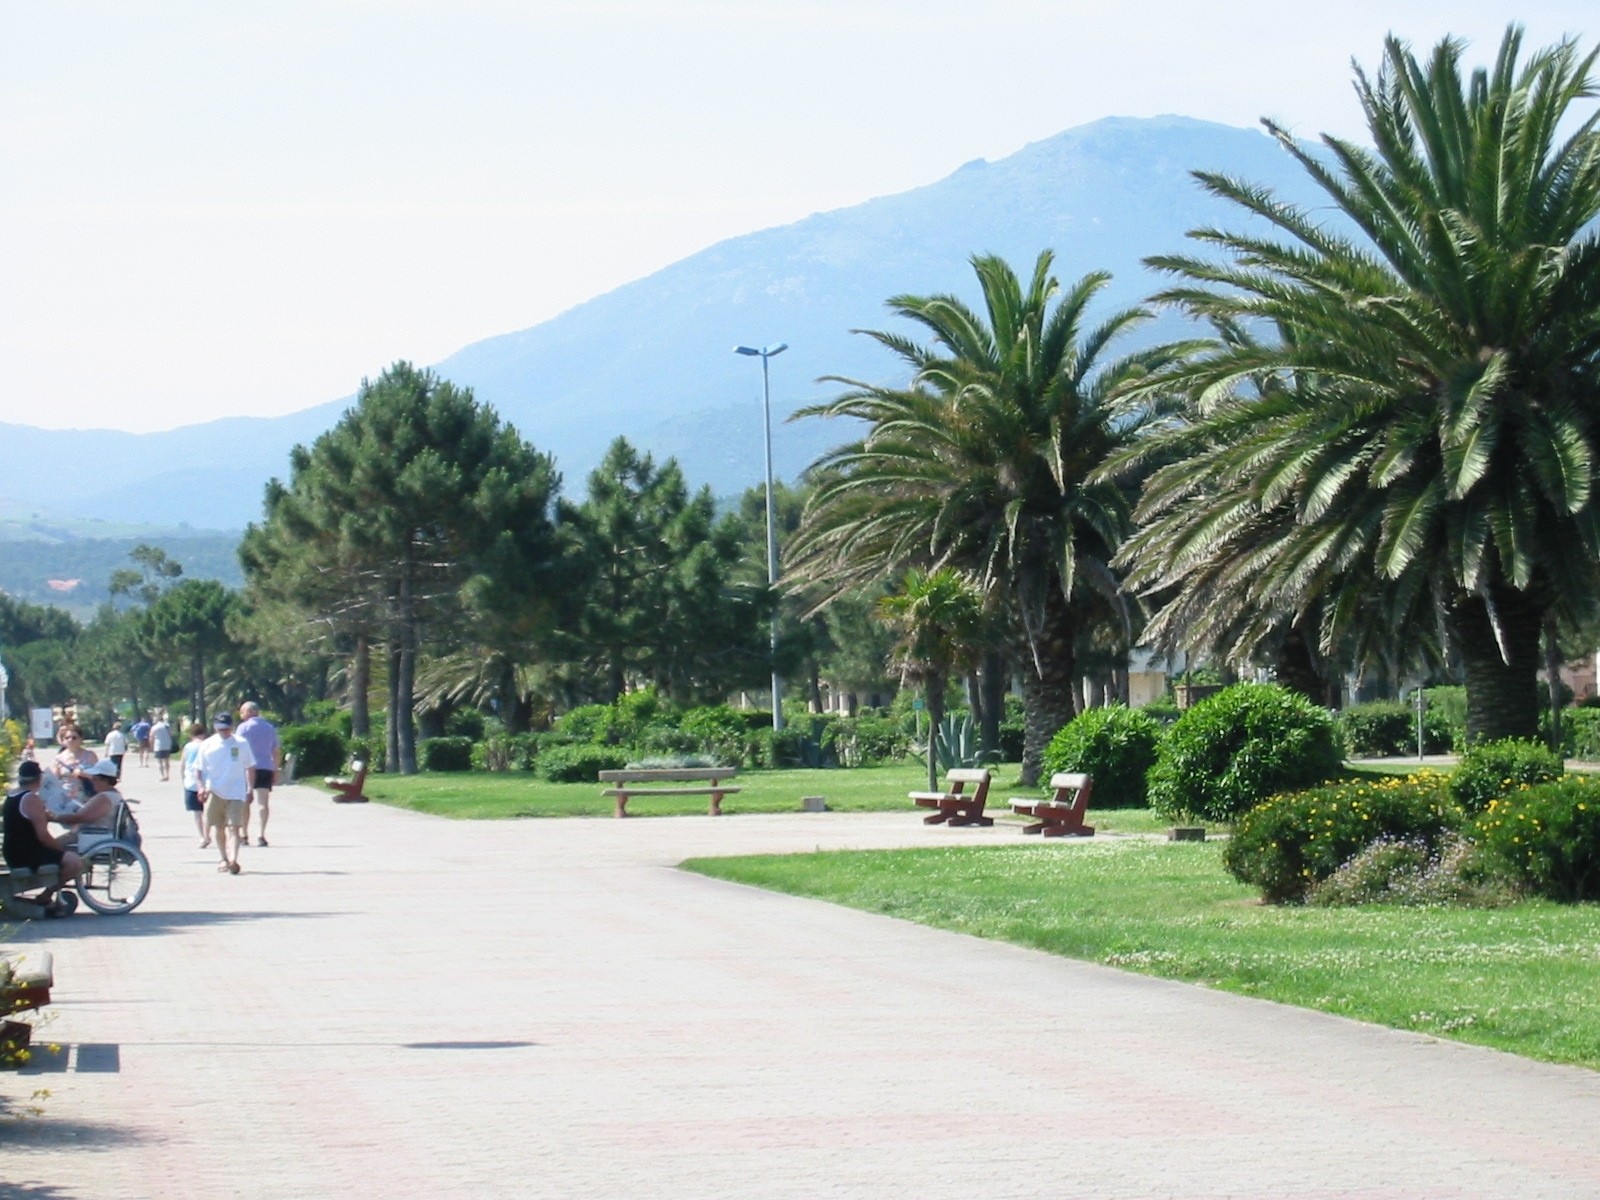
(49, 1132)
(142, 924)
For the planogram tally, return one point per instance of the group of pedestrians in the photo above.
(227, 774)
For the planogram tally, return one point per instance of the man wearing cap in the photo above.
(27, 840)
(225, 772)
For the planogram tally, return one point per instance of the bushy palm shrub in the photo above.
(1546, 837)
(1292, 841)
(1493, 769)
(1234, 749)
(1114, 745)
(869, 738)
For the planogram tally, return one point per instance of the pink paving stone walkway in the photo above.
(391, 1005)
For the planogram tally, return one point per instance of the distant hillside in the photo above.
(71, 573)
(653, 359)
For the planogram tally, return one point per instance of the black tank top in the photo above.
(22, 847)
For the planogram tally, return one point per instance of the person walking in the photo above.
(161, 745)
(141, 739)
(225, 774)
(116, 745)
(189, 773)
(262, 735)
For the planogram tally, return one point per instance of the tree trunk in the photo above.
(1502, 692)
(934, 691)
(1552, 670)
(360, 681)
(1049, 671)
(1294, 665)
(391, 727)
(406, 692)
(992, 681)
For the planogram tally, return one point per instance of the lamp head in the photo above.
(745, 350)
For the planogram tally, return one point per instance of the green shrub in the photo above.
(870, 738)
(1450, 704)
(445, 754)
(1546, 837)
(1388, 729)
(1114, 745)
(1163, 709)
(586, 723)
(1290, 842)
(717, 730)
(1580, 733)
(1410, 871)
(506, 752)
(465, 722)
(369, 750)
(1492, 769)
(317, 749)
(1013, 730)
(578, 763)
(1234, 749)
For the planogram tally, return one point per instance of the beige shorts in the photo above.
(224, 812)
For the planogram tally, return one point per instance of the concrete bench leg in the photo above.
(622, 805)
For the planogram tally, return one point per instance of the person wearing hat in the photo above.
(100, 809)
(225, 771)
(27, 840)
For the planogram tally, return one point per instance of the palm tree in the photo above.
(985, 463)
(1437, 453)
(940, 618)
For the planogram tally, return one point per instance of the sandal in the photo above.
(233, 868)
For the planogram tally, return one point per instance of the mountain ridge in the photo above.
(652, 359)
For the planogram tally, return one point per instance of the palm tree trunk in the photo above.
(1295, 666)
(1502, 690)
(934, 687)
(391, 726)
(1049, 680)
(992, 688)
(1552, 671)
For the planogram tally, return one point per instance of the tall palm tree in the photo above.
(939, 615)
(985, 462)
(1438, 453)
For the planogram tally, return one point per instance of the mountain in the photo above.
(653, 359)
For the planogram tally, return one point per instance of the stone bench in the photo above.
(627, 784)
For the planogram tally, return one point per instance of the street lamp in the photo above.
(764, 353)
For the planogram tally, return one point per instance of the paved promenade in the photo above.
(390, 1005)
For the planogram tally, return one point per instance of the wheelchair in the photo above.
(115, 877)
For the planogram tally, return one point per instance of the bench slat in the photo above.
(668, 775)
(629, 791)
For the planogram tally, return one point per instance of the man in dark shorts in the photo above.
(262, 735)
(27, 840)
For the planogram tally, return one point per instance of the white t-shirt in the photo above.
(161, 737)
(116, 742)
(225, 765)
(191, 766)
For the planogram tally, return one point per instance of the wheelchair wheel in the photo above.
(116, 878)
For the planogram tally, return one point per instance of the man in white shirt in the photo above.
(116, 745)
(161, 744)
(224, 773)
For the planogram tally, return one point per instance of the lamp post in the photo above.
(764, 353)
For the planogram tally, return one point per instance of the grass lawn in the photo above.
(1519, 979)
(509, 794)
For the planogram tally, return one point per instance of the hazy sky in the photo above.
(211, 208)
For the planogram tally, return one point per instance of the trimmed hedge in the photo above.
(317, 749)
(1493, 769)
(579, 764)
(1388, 729)
(445, 754)
(1233, 750)
(1546, 837)
(1114, 745)
(1293, 841)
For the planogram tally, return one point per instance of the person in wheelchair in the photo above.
(28, 841)
(102, 811)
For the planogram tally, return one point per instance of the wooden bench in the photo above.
(1062, 814)
(623, 784)
(14, 881)
(348, 791)
(955, 805)
(25, 982)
